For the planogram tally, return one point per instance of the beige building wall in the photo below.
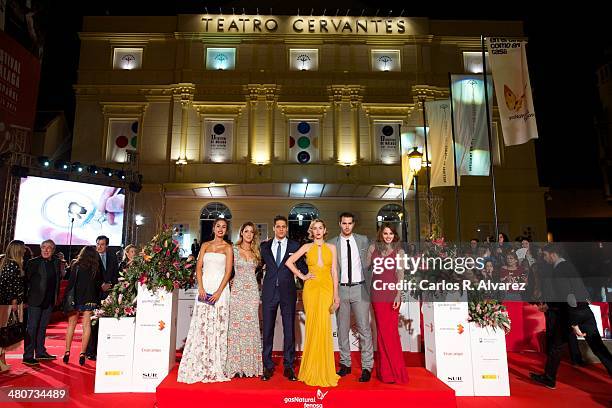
(173, 93)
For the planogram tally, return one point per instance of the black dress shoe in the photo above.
(267, 374)
(45, 356)
(30, 362)
(290, 374)
(344, 370)
(92, 357)
(542, 379)
(365, 376)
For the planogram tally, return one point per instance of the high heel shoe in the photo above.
(66, 357)
(82, 359)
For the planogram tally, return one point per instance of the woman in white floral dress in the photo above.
(244, 338)
(205, 352)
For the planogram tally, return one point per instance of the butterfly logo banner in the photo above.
(511, 80)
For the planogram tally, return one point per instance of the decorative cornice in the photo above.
(346, 93)
(123, 108)
(387, 111)
(184, 93)
(219, 108)
(262, 92)
(428, 92)
(128, 39)
(308, 109)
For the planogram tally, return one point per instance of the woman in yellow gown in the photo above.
(320, 298)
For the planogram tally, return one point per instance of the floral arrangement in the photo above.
(489, 313)
(158, 266)
(121, 300)
(436, 248)
(483, 310)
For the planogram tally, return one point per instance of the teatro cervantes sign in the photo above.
(301, 25)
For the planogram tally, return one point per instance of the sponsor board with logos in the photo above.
(447, 344)
(469, 359)
(489, 362)
(155, 338)
(115, 355)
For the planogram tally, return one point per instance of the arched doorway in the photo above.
(391, 214)
(300, 217)
(208, 215)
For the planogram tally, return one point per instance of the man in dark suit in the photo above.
(43, 276)
(110, 271)
(279, 289)
(195, 248)
(566, 309)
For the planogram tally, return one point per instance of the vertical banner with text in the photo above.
(441, 142)
(513, 88)
(470, 121)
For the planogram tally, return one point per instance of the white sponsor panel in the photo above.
(447, 344)
(155, 341)
(186, 303)
(115, 355)
(489, 361)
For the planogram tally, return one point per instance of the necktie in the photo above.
(349, 259)
(278, 253)
(103, 256)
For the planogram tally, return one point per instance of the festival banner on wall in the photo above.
(304, 141)
(511, 79)
(440, 143)
(219, 140)
(387, 139)
(470, 121)
(19, 75)
(122, 137)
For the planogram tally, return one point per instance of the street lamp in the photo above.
(138, 220)
(415, 161)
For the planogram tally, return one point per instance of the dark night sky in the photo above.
(564, 49)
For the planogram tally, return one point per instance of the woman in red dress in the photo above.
(390, 366)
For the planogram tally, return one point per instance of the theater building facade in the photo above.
(249, 116)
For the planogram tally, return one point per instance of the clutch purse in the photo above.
(207, 298)
(13, 332)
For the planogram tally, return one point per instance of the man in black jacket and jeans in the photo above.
(110, 270)
(567, 309)
(43, 276)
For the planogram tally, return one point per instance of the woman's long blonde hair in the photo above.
(15, 251)
(126, 249)
(254, 243)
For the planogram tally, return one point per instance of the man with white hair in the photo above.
(43, 276)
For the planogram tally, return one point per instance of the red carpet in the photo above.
(424, 390)
(576, 386)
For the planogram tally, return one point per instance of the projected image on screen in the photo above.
(48, 207)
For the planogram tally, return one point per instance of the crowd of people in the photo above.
(30, 291)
